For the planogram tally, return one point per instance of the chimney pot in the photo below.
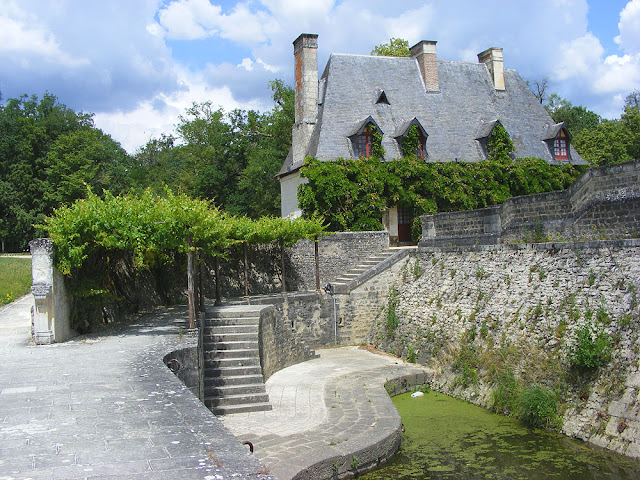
(425, 54)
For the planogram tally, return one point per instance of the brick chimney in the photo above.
(425, 54)
(306, 92)
(492, 58)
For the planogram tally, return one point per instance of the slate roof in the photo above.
(454, 119)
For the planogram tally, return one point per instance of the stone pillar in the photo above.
(42, 289)
(51, 320)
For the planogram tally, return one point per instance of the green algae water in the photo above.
(446, 438)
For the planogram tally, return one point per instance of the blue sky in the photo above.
(138, 64)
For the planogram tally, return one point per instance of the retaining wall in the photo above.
(604, 203)
(476, 311)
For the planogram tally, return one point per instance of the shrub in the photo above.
(392, 317)
(591, 348)
(506, 394)
(538, 407)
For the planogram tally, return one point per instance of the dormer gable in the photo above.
(484, 135)
(558, 140)
(412, 139)
(366, 139)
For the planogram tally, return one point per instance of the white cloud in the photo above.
(23, 38)
(197, 19)
(629, 26)
(152, 117)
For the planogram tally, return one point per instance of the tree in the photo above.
(576, 118)
(397, 47)
(33, 177)
(230, 157)
(541, 89)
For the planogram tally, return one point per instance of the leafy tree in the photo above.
(47, 155)
(397, 47)
(576, 118)
(610, 142)
(229, 157)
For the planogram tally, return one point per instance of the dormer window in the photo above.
(413, 140)
(364, 142)
(367, 140)
(558, 139)
(561, 146)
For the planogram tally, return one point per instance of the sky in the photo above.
(139, 64)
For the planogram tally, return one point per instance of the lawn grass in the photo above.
(15, 278)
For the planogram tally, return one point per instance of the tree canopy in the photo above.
(50, 155)
(397, 47)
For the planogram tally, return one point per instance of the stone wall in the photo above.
(604, 203)
(321, 319)
(280, 345)
(338, 253)
(474, 314)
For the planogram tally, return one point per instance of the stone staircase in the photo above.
(233, 381)
(351, 276)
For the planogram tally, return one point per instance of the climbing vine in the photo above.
(377, 151)
(354, 194)
(411, 142)
(499, 145)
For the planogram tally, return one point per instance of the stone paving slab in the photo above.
(327, 411)
(106, 407)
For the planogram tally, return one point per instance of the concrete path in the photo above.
(326, 412)
(106, 407)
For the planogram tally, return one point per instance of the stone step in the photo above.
(209, 329)
(231, 409)
(230, 337)
(211, 345)
(231, 371)
(234, 380)
(231, 362)
(226, 390)
(241, 311)
(241, 399)
(218, 321)
(212, 354)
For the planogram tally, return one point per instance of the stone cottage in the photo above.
(454, 105)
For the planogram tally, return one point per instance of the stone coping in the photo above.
(573, 245)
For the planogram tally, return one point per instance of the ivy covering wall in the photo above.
(353, 194)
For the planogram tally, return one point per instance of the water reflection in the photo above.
(449, 439)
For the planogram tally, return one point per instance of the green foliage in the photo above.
(499, 145)
(376, 142)
(466, 365)
(49, 154)
(575, 118)
(411, 355)
(353, 194)
(507, 393)
(538, 407)
(230, 157)
(15, 278)
(397, 47)
(411, 142)
(392, 318)
(591, 348)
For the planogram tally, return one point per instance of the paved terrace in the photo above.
(106, 407)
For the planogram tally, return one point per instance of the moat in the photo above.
(446, 438)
